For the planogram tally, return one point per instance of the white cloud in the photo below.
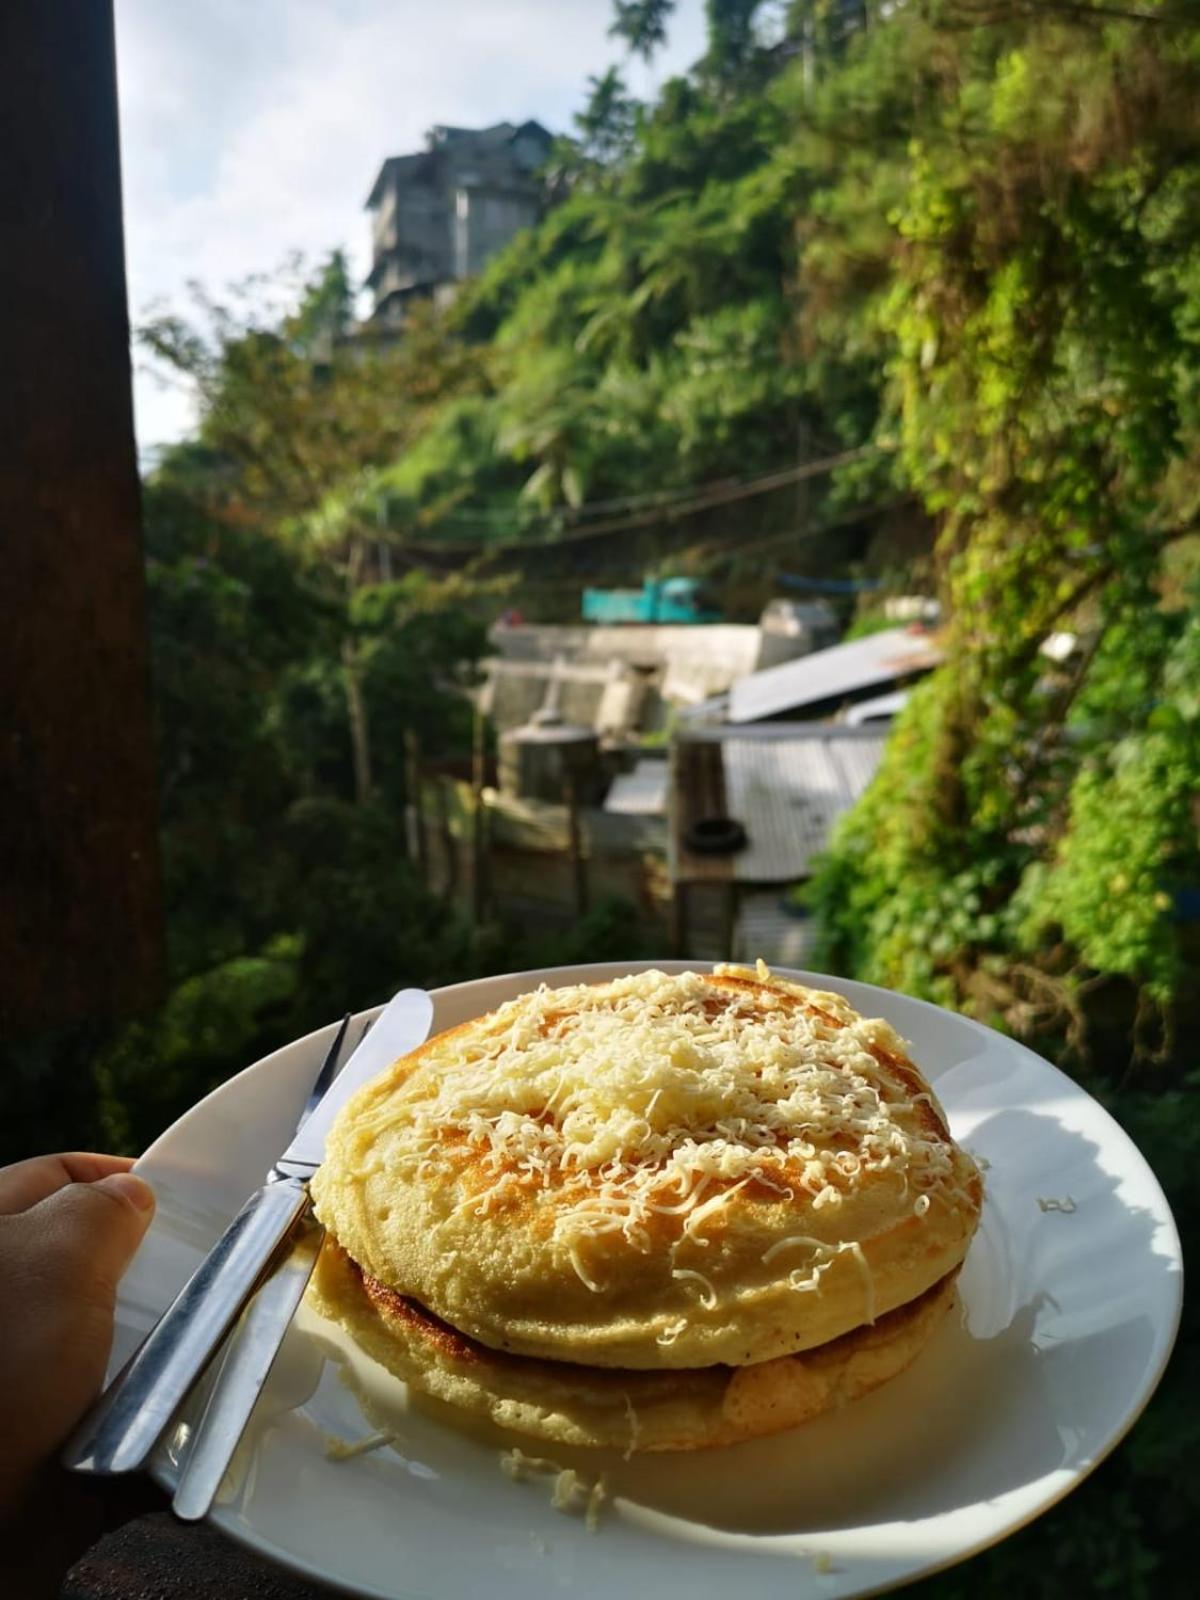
(253, 130)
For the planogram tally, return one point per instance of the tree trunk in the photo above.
(360, 733)
(356, 706)
(412, 785)
(575, 846)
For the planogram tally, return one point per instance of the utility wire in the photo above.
(688, 503)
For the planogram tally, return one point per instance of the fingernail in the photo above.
(134, 1189)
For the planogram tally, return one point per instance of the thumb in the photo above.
(92, 1229)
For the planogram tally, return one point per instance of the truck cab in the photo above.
(678, 599)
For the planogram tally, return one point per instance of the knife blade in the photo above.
(401, 1026)
(119, 1432)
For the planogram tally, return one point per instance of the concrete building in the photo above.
(678, 666)
(439, 215)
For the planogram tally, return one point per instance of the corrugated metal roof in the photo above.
(831, 674)
(787, 786)
(857, 759)
(879, 708)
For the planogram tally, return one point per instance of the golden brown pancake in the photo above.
(661, 1172)
(564, 1403)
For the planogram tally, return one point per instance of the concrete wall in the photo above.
(607, 697)
(422, 243)
(441, 216)
(485, 221)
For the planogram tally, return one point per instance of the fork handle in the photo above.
(121, 1430)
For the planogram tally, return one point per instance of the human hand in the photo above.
(68, 1227)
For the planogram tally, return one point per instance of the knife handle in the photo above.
(121, 1430)
(243, 1370)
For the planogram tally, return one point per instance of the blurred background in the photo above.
(622, 480)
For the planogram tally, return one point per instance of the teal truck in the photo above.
(658, 600)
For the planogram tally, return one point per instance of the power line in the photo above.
(627, 502)
(685, 503)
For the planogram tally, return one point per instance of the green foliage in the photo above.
(1031, 824)
(278, 673)
(609, 932)
(326, 311)
(418, 641)
(156, 1068)
(234, 620)
(607, 122)
(642, 24)
(1128, 846)
(731, 38)
(288, 413)
(1016, 250)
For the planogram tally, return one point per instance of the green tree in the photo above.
(642, 24)
(731, 37)
(607, 122)
(291, 411)
(326, 310)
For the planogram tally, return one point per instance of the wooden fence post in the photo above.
(575, 844)
(478, 818)
(412, 785)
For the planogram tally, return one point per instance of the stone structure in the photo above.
(439, 215)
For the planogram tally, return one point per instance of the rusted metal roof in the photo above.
(833, 675)
(786, 784)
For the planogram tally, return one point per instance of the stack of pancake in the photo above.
(655, 1213)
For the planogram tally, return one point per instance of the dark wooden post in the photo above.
(478, 818)
(575, 843)
(729, 919)
(449, 844)
(412, 783)
(679, 922)
(81, 932)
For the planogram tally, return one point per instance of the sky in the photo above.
(251, 129)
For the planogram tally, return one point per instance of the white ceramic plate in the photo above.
(1071, 1297)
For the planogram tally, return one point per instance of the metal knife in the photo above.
(119, 1432)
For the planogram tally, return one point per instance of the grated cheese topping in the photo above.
(338, 1449)
(651, 1102)
(570, 1492)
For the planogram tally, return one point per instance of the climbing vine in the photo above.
(1032, 827)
